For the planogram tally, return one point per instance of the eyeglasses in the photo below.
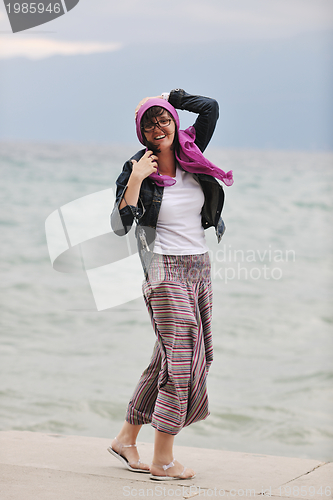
(165, 122)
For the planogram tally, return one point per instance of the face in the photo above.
(163, 134)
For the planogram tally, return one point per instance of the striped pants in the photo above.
(172, 392)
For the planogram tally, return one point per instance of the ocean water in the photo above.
(67, 368)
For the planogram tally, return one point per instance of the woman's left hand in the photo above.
(145, 100)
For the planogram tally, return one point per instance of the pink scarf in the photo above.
(189, 157)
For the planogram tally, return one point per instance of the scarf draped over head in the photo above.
(189, 156)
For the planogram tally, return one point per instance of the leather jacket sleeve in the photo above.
(205, 107)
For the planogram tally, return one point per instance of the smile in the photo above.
(159, 137)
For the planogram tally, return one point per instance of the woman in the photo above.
(170, 190)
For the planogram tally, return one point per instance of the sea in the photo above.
(69, 367)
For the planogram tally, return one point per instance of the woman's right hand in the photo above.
(141, 169)
(145, 166)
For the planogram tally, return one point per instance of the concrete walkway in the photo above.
(35, 466)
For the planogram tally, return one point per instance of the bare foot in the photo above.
(176, 471)
(130, 453)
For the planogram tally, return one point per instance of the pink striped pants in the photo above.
(172, 392)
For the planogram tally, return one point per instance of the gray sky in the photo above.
(79, 77)
(104, 25)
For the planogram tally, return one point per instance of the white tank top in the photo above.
(179, 230)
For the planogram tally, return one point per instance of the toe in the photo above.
(140, 465)
(188, 473)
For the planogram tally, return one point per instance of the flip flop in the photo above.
(124, 460)
(169, 478)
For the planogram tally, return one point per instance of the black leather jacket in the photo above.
(150, 197)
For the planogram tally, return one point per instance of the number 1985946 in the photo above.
(33, 7)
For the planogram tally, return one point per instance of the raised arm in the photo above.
(205, 107)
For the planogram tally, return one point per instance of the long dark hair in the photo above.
(147, 118)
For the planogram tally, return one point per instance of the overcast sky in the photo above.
(267, 62)
(107, 25)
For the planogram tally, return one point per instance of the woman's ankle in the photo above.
(125, 439)
(161, 460)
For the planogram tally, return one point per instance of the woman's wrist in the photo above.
(136, 178)
(176, 97)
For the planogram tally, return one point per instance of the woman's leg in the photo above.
(139, 411)
(141, 406)
(127, 436)
(163, 455)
